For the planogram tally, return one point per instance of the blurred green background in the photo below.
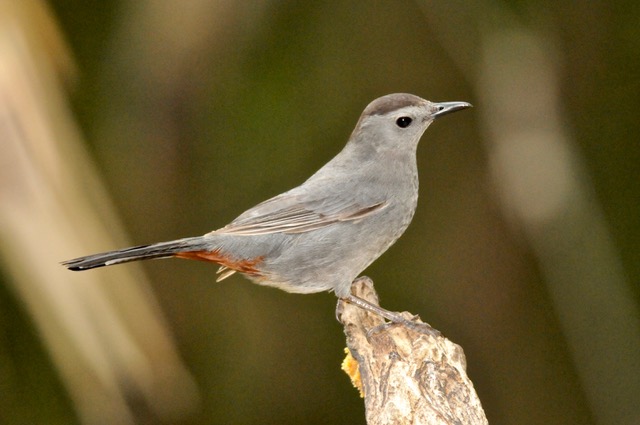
(525, 248)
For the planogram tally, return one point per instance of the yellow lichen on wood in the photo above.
(350, 367)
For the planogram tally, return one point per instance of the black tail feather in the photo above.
(136, 253)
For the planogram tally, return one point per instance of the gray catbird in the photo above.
(320, 235)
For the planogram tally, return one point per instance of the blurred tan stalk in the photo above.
(104, 331)
(544, 189)
(546, 194)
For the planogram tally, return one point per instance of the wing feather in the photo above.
(287, 213)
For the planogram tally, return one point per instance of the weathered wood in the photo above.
(409, 374)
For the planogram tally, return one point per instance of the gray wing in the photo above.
(293, 212)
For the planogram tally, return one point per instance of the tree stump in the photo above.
(407, 373)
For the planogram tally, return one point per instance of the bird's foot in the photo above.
(395, 318)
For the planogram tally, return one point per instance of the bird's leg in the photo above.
(393, 317)
(372, 308)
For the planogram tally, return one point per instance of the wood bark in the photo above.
(408, 373)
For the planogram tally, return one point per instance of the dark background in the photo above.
(196, 111)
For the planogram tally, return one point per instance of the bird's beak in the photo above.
(445, 108)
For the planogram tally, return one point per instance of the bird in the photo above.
(321, 235)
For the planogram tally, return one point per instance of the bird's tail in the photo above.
(136, 253)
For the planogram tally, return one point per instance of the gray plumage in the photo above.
(322, 234)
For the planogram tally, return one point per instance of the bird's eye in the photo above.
(403, 122)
